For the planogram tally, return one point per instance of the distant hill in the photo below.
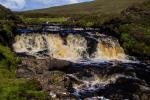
(7, 25)
(5, 13)
(97, 7)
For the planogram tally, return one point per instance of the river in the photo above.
(98, 63)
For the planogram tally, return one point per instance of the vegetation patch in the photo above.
(43, 20)
(132, 29)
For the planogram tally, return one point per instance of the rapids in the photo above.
(94, 65)
(73, 47)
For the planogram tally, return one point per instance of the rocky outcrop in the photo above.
(127, 88)
(31, 66)
(113, 80)
(55, 83)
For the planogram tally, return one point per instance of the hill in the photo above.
(85, 14)
(98, 7)
(6, 14)
(7, 25)
(132, 29)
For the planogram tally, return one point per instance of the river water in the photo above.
(100, 64)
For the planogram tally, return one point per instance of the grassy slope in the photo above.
(132, 28)
(12, 88)
(7, 23)
(91, 14)
(98, 7)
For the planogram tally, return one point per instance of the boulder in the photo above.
(57, 64)
(38, 66)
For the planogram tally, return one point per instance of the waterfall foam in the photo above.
(109, 49)
(73, 50)
(73, 47)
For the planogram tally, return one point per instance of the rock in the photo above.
(24, 73)
(57, 64)
(122, 81)
(40, 65)
(56, 83)
(125, 88)
(65, 80)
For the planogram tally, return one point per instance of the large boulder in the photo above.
(38, 66)
(57, 64)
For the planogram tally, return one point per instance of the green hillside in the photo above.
(132, 29)
(85, 14)
(98, 7)
(12, 88)
(4, 13)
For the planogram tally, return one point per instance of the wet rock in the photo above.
(56, 83)
(56, 64)
(126, 88)
(115, 82)
(65, 80)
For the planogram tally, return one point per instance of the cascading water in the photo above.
(73, 47)
(108, 50)
(73, 50)
(91, 78)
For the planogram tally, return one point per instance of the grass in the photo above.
(12, 88)
(97, 7)
(42, 20)
(87, 14)
(132, 29)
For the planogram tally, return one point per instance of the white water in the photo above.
(95, 83)
(75, 48)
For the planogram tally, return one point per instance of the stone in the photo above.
(24, 73)
(57, 64)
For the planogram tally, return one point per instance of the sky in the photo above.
(22, 5)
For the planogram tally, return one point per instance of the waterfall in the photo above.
(108, 50)
(72, 47)
(72, 50)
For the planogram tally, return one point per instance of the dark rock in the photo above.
(126, 88)
(57, 64)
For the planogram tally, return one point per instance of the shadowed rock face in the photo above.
(127, 88)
